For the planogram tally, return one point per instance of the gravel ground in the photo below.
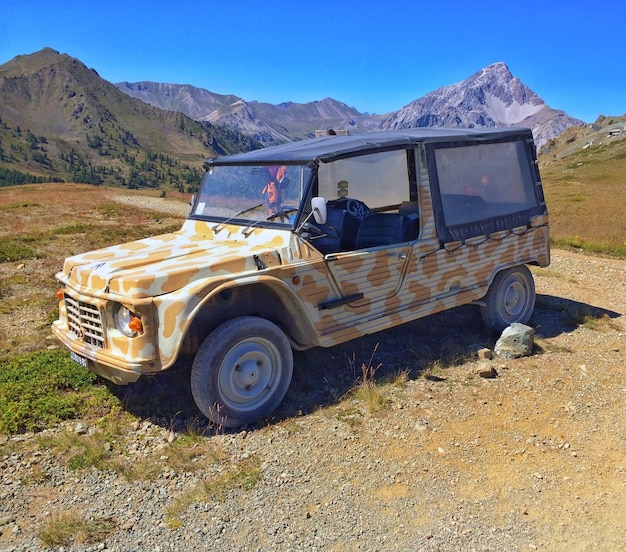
(532, 459)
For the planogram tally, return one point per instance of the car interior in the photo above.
(351, 225)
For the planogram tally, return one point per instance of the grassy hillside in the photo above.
(584, 175)
(60, 121)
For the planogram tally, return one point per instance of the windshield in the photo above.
(261, 193)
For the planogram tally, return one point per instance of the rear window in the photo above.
(484, 181)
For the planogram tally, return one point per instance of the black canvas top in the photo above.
(329, 148)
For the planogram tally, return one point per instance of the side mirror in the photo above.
(319, 209)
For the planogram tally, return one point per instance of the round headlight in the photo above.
(123, 317)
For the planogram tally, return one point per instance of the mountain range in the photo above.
(492, 97)
(59, 120)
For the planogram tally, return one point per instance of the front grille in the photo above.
(85, 321)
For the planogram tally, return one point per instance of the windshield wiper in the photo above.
(282, 214)
(248, 229)
(218, 227)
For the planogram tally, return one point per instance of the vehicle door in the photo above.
(369, 274)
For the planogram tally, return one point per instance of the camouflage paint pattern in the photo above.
(170, 281)
(167, 280)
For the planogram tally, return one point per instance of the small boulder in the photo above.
(486, 370)
(516, 341)
(80, 429)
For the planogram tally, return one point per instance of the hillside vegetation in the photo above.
(584, 176)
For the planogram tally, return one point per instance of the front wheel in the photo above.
(241, 371)
(511, 298)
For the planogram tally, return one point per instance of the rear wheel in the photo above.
(242, 371)
(511, 298)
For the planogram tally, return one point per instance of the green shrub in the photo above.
(41, 389)
(14, 249)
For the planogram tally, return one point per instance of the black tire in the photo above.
(241, 371)
(511, 298)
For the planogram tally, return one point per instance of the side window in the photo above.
(383, 214)
(378, 179)
(484, 181)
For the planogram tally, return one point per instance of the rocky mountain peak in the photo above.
(496, 79)
(495, 71)
(491, 97)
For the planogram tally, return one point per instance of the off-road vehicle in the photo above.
(311, 244)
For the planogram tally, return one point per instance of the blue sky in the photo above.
(374, 56)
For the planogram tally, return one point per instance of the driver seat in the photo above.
(340, 228)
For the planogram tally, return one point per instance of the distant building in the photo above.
(331, 132)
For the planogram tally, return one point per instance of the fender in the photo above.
(187, 316)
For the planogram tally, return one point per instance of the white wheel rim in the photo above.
(514, 299)
(249, 374)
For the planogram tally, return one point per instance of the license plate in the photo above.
(78, 359)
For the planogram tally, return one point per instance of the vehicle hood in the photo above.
(162, 264)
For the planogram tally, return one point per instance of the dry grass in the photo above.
(40, 225)
(551, 273)
(242, 475)
(585, 192)
(65, 528)
(368, 391)
(106, 448)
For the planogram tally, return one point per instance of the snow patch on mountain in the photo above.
(509, 113)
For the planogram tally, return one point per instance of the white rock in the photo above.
(516, 341)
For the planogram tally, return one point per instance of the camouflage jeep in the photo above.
(311, 244)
